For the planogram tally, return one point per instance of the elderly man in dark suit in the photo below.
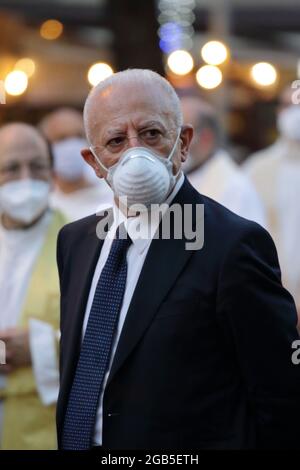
(166, 344)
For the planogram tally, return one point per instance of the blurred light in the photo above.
(51, 29)
(264, 74)
(170, 34)
(180, 62)
(2, 93)
(16, 83)
(173, 3)
(99, 72)
(209, 77)
(176, 18)
(167, 47)
(168, 30)
(214, 53)
(26, 65)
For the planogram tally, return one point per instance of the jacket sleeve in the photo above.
(260, 318)
(60, 252)
(59, 255)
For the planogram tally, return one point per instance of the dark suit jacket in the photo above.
(204, 357)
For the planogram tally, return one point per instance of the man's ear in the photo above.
(91, 160)
(186, 136)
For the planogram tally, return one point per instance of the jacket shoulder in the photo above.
(81, 227)
(225, 227)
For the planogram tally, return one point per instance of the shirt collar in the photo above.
(142, 228)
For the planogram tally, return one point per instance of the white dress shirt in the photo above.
(221, 179)
(19, 250)
(136, 255)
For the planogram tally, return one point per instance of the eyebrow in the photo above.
(151, 123)
(143, 125)
(113, 131)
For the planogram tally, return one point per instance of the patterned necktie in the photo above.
(96, 348)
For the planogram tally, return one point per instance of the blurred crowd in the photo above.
(45, 183)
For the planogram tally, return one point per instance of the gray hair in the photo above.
(138, 75)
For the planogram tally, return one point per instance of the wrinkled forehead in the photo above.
(119, 103)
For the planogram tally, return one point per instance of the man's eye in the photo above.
(115, 142)
(151, 134)
(11, 169)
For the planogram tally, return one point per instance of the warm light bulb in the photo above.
(26, 65)
(99, 72)
(209, 77)
(16, 83)
(214, 52)
(264, 74)
(51, 29)
(180, 62)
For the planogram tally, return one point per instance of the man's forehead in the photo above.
(135, 105)
(130, 95)
(23, 150)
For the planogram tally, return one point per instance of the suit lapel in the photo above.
(163, 264)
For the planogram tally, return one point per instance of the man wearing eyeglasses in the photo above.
(29, 291)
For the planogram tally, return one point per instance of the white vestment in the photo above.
(221, 179)
(275, 172)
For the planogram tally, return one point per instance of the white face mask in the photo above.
(24, 200)
(288, 122)
(142, 176)
(69, 165)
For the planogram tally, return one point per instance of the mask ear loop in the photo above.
(172, 153)
(98, 160)
(174, 146)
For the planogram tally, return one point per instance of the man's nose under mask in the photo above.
(141, 177)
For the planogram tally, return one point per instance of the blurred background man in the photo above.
(211, 170)
(275, 172)
(29, 291)
(77, 192)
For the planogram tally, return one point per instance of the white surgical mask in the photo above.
(69, 165)
(288, 122)
(24, 200)
(142, 176)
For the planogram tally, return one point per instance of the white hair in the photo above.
(136, 75)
